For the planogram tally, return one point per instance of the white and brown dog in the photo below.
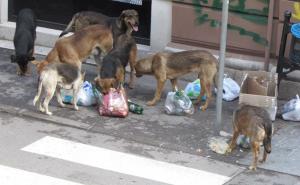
(52, 78)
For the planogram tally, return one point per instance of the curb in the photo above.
(42, 117)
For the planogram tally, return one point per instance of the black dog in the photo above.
(112, 71)
(24, 38)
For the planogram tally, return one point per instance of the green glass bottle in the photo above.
(135, 108)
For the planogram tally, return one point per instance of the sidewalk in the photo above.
(188, 134)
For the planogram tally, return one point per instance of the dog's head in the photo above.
(40, 65)
(131, 19)
(105, 84)
(267, 144)
(22, 61)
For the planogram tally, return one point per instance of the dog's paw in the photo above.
(34, 101)
(252, 168)
(262, 161)
(62, 105)
(49, 113)
(151, 103)
(41, 109)
(203, 108)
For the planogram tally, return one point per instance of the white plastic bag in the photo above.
(231, 90)
(177, 103)
(192, 90)
(291, 110)
(86, 95)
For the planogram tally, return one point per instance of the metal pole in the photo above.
(221, 64)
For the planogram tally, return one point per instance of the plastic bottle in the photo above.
(135, 108)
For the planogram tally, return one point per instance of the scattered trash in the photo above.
(178, 103)
(192, 90)
(225, 134)
(218, 144)
(86, 95)
(291, 110)
(114, 103)
(243, 141)
(231, 89)
(135, 108)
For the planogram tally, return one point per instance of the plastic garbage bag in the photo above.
(231, 90)
(114, 103)
(87, 95)
(192, 90)
(291, 110)
(178, 103)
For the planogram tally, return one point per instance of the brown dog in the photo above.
(173, 65)
(77, 47)
(127, 22)
(255, 123)
(112, 72)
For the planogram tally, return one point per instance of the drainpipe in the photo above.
(269, 35)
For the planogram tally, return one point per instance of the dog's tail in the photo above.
(216, 77)
(39, 90)
(70, 27)
(268, 135)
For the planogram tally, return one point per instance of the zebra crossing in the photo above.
(105, 159)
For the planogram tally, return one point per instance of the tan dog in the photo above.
(77, 47)
(54, 77)
(255, 123)
(171, 66)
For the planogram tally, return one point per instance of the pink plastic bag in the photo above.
(114, 104)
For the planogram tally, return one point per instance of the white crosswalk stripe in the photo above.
(123, 163)
(13, 176)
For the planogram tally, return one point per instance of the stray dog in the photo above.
(112, 70)
(127, 22)
(54, 77)
(173, 65)
(77, 47)
(255, 123)
(24, 38)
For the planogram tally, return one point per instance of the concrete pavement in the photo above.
(154, 128)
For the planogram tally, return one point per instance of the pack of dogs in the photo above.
(111, 42)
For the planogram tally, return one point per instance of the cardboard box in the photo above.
(259, 88)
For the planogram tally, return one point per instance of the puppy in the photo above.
(77, 47)
(112, 70)
(255, 123)
(127, 22)
(171, 66)
(54, 77)
(24, 39)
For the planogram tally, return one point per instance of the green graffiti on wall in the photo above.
(237, 7)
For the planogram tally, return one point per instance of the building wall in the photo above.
(197, 22)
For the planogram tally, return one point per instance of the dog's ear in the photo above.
(31, 58)
(12, 58)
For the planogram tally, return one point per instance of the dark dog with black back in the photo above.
(24, 39)
(112, 71)
(127, 22)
